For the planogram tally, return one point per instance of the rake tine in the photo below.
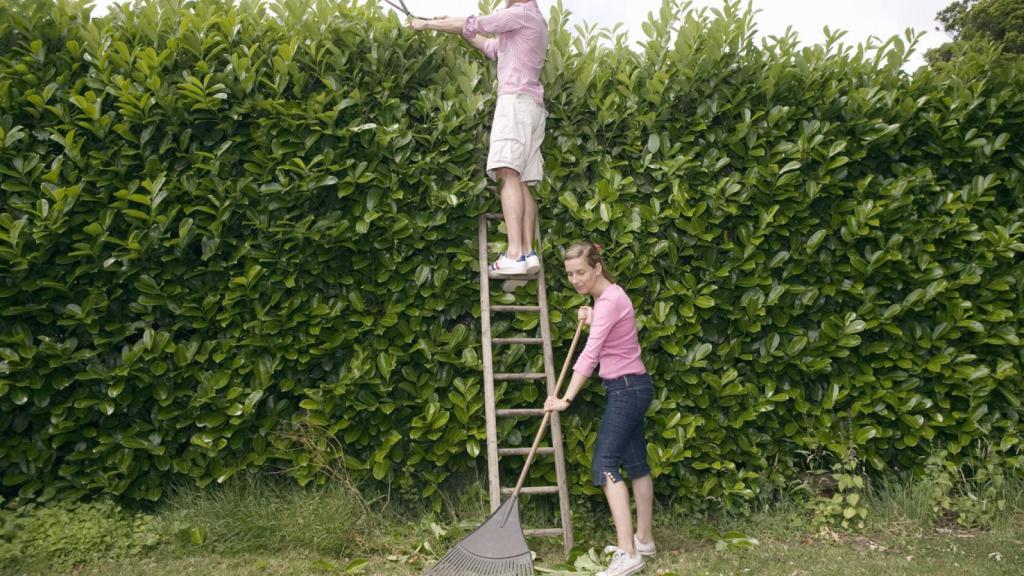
(493, 549)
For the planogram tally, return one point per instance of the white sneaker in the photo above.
(623, 564)
(505, 266)
(644, 549)
(532, 262)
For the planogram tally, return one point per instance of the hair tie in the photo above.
(597, 247)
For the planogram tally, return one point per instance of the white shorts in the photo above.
(516, 135)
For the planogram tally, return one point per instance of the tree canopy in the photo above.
(970, 21)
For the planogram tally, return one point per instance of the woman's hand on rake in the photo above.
(585, 314)
(555, 404)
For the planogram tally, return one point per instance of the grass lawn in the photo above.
(893, 553)
(260, 528)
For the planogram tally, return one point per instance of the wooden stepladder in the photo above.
(492, 413)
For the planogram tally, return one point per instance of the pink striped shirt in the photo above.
(519, 49)
(613, 339)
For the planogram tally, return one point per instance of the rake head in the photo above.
(496, 548)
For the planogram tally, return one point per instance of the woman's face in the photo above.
(582, 275)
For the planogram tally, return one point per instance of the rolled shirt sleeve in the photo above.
(501, 21)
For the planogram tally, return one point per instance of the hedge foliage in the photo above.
(236, 236)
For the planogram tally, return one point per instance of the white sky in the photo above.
(860, 18)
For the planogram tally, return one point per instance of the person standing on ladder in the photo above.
(519, 44)
(613, 343)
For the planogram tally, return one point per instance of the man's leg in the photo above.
(529, 219)
(533, 171)
(513, 207)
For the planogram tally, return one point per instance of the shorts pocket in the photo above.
(506, 122)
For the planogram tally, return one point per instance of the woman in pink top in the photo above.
(620, 440)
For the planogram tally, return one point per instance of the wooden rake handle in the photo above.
(547, 415)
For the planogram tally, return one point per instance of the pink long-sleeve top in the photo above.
(613, 339)
(520, 47)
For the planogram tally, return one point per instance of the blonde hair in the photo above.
(591, 253)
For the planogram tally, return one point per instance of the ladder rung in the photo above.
(495, 276)
(520, 376)
(517, 340)
(519, 412)
(532, 490)
(492, 216)
(514, 308)
(523, 451)
(543, 532)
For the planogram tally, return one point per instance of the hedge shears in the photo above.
(401, 7)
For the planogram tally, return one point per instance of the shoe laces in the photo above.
(618, 559)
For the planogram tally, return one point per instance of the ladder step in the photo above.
(519, 412)
(532, 490)
(495, 276)
(523, 451)
(514, 308)
(519, 376)
(543, 532)
(517, 340)
(493, 216)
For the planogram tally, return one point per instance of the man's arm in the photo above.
(450, 25)
(501, 21)
(479, 42)
(456, 25)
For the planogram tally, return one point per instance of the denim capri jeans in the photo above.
(620, 439)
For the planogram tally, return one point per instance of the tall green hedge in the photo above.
(243, 236)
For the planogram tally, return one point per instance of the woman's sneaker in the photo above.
(623, 564)
(532, 262)
(644, 549)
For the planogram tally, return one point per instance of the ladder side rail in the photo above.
(493, 480)
(556, 425)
